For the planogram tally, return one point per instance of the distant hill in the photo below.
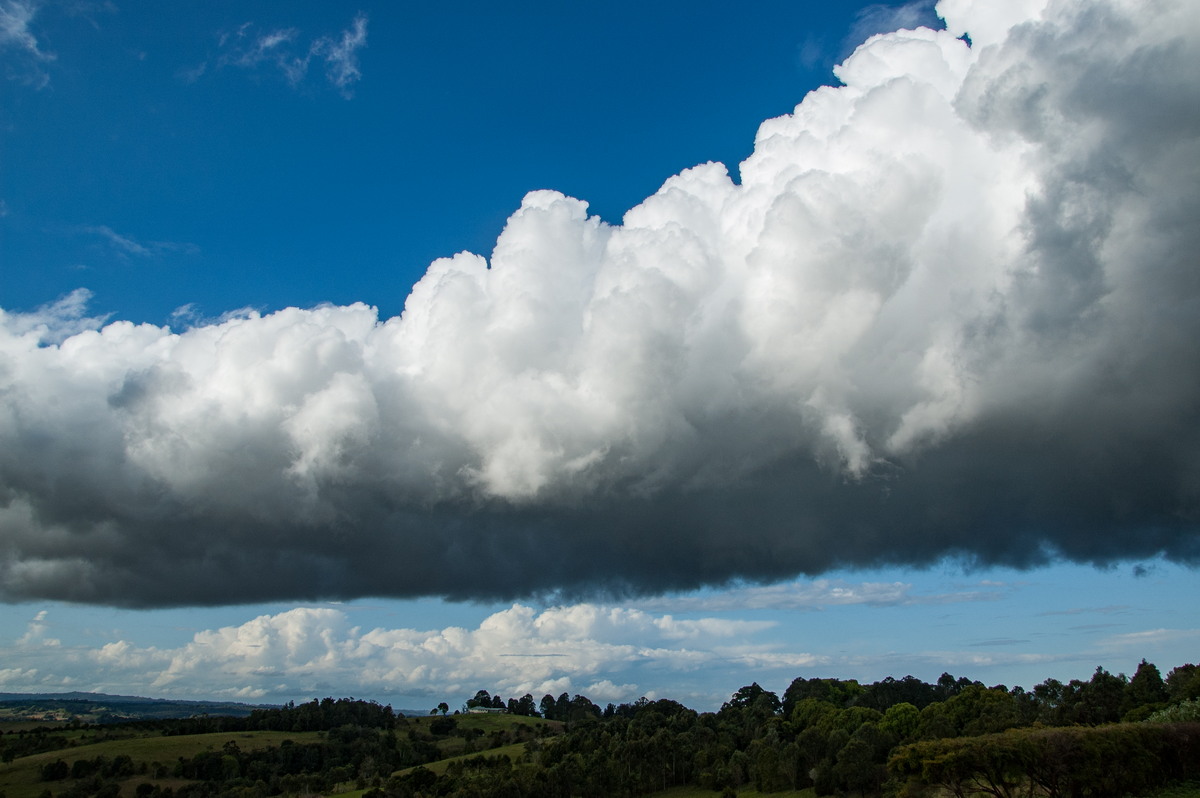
(104, 708)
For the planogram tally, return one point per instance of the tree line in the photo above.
(1108, 736)
(841, 737)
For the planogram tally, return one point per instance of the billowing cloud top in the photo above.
(952, 308)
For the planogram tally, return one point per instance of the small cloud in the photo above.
(193, 73)
(188, 315)
(280, 49)
(341, 55)
(812, 51)
(35, 633)
(605, 690)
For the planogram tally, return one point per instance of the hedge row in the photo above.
(1070, 762)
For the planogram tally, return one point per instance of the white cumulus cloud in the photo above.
(584, 648)
(950, 309)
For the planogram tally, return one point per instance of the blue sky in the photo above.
(228, 187)
(911, 390)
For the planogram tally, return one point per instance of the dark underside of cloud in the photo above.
(952, 310)
(1037, 496)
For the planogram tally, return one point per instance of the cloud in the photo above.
(35, 634)
(1115, 609)
(950, 311)
(341, 55)
(16, 17)
(884, 18)
(126, 246)
(1149, 638)
(248, 48)
(814, 595)
(57, 321)
(577, 648)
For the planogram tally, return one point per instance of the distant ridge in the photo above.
(109, 698)
(105, 708)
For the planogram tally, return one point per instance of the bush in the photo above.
(1184, 712)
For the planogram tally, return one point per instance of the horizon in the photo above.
(463, 706)
(399, 352)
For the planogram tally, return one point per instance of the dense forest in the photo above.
(1109, 736)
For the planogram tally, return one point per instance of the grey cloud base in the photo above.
(953, 309)
(1023, 509)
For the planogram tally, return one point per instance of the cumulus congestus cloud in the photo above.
(952, 309)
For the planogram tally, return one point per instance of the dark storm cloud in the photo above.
(953, 310)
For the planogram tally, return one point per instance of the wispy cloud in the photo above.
(126, 245)
(1112, 609)
(341, 54)
(248, 47)
(816, 595)
(56, 321)
(16, 36)
(1150, 637)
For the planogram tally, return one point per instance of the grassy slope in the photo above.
(491, 726)
(697, 792)
(22, 778)
(514, 752)
(488, 724)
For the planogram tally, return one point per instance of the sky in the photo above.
(403, 351)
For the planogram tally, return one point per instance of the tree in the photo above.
(901, 721)
(578, 708)
(1100, 699)
(1145, 692)
(855, 768)
(889, 691)
(443, 707)
(753, 696)
(832, 691)
(526, 706)
(1183, 683)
